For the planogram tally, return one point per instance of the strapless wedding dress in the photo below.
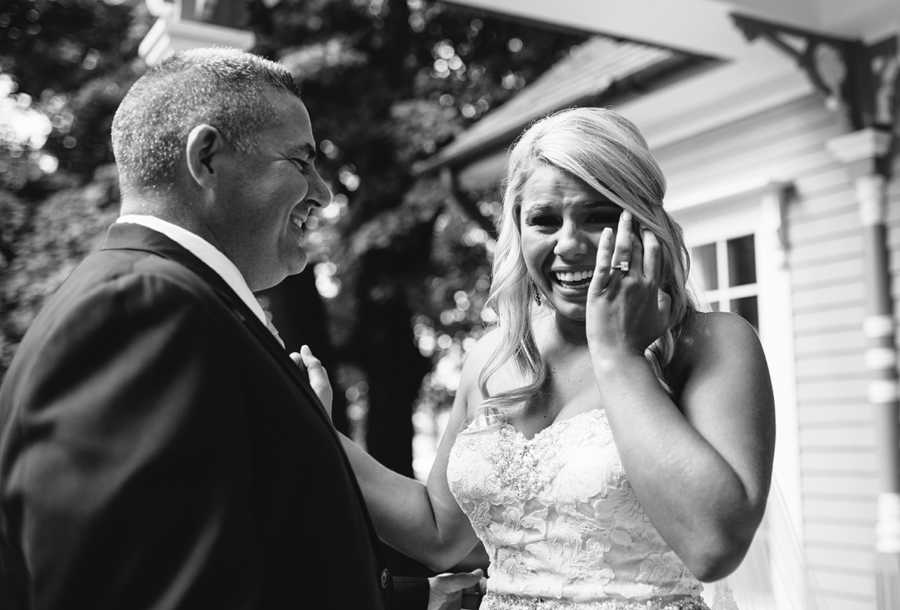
(560, 521)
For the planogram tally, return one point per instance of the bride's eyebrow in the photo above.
(605, 208)
(539, 207)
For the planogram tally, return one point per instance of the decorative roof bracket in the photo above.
(861, 79)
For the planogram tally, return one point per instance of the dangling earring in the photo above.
(537, 294)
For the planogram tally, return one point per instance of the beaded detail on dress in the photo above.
(516, 602)
(560, 521)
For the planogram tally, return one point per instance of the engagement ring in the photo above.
(622, 266)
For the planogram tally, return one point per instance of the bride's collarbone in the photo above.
(560, 398)
(569, 389)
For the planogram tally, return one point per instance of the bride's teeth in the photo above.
(573, 276)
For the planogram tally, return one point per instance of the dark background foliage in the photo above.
(387, 83)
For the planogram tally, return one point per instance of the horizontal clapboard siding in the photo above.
(835, 435)
(893, 226)
(837, 223)
(830, 366)
(838, 580)
(826, 600)
(838, 413)
(851, 461)
(844, 246)
(847, 509)
(831, 391)
(828, 293)
(840, 589)
(829, 273)
(837, 438)
(851, 535)
(830, 318)
(839, 342)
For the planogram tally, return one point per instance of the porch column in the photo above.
(861, 150)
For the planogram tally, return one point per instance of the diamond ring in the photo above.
(622, 266)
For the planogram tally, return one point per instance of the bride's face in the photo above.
(560, 223)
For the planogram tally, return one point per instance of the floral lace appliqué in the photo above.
(561, 523)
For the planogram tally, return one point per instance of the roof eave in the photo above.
(656, 74)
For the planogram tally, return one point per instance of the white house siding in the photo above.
(834, 435)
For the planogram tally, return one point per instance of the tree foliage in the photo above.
(387, 83)
(72, 61)
(62, 230)
(64, 67)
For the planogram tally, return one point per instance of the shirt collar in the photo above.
(206, 252)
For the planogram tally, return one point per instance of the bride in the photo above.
(609, 444)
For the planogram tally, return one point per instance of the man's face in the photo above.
(263, 203)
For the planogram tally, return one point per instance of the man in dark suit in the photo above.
(158, 447)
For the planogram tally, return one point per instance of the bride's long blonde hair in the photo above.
(607, 152)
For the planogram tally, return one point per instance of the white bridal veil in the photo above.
(773, 576)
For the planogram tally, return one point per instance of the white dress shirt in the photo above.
(210, 255)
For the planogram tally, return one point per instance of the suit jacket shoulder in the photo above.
(156, 450)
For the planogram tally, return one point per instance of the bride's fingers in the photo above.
(637, 256)
(664, 306)
(317, 372)
(624, 239)
(652, 257)
(604, 259)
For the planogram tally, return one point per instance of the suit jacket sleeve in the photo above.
(128, 466)
(409, 593)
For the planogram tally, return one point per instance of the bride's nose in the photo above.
(571, 241)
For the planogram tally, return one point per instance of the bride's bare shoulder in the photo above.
(484, 347)
(476, 359)
(711, 338)
(706, 332)
(478, 356)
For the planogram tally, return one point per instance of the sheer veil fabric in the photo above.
(769, 578)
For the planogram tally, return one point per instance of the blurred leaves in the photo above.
(387, 84)
(64, 67)
(420, 126)
(320, 61)
(72, 61)
(49, 240)
(58, 45)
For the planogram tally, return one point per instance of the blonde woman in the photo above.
(610, 445)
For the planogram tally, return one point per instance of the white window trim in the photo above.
(759, 207)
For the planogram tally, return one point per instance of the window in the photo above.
(723, 274)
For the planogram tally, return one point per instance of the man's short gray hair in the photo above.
(225, 88)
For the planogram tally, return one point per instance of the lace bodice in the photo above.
(560, 521)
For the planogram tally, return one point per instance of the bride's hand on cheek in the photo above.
(625, 311)
(318, 376)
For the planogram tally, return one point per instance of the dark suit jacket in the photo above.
(158, 449)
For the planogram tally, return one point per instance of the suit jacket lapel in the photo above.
(127, 236)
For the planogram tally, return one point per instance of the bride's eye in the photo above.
(542, 220)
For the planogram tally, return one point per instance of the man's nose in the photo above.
(319, 193)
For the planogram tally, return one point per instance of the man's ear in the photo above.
(204, 145)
